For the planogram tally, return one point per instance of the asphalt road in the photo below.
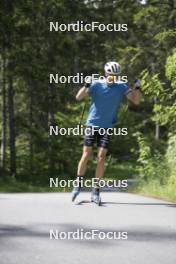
(27, 219)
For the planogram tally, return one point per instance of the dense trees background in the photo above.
(29, 104)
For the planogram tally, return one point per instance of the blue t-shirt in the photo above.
(106, 100)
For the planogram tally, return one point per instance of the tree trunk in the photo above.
(157, 126)
(4, 118)
(172, 17)
(31, 148)
(11, 127)
(51, 162)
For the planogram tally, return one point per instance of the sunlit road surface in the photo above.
(27, 219)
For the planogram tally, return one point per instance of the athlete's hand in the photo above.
(137, 84)
(88, 81)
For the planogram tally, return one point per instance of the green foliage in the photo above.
(171, 159)
(29, 52)
(170, 68)
(165, 111)
(151, 162)
(165, 115)
(151, 85)
(165, 36)
(158, 169)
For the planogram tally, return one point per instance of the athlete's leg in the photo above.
(82, 165)
(101, 156)
(81, 170)
(95, 194)
(102, 143)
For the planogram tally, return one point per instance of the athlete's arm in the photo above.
(82, 93)
(134, 94)
(84, 90)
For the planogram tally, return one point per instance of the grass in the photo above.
(121, 171)
(14, 186)
(156, 190)
(118, 171)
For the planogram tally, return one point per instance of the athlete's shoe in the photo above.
(77, 189)
(75, 192)
(95, 196)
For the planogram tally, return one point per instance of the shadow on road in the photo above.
(87, 202)
(116, 203)
(42, 231)
(166, 204)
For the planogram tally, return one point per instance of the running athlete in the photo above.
(107, 97)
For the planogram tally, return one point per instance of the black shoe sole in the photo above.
(99, 204)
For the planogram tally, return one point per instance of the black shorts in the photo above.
(99, 136)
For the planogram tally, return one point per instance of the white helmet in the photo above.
(112, 68)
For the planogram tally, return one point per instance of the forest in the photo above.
(32, 55)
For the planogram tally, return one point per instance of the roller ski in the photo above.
(95, 196)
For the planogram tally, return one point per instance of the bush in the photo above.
(157, 171)
(152, 164)
(171, 160)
